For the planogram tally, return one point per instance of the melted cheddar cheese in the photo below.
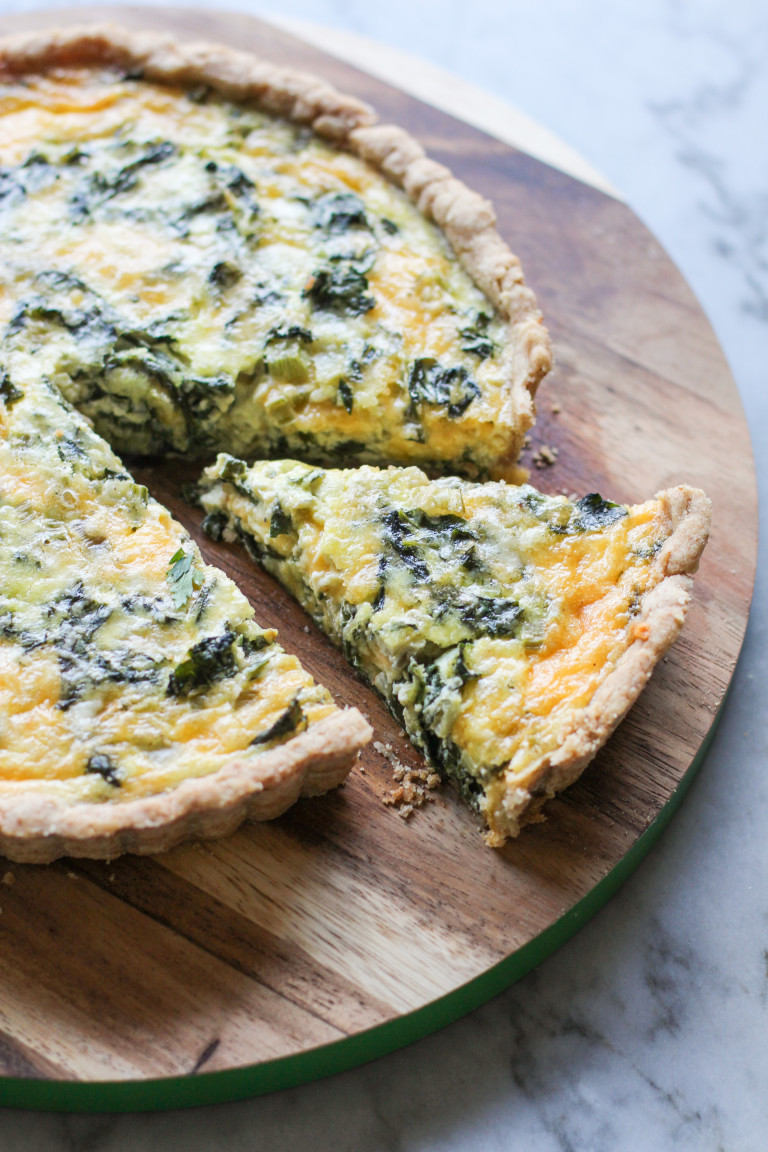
(486, 615)
(197, 276)
(126, 664)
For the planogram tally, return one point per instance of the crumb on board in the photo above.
(555, 409)
(9, 879)
(545, 456)
(413, 785)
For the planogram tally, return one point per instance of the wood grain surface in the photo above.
(340, 915)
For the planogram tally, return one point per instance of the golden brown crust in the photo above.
(661, 616)
(467, 219)
(36, 829)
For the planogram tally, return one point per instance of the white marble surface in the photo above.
(648, 1031)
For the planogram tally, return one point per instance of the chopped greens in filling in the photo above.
(486, 615)
(197, 276)
(127, 665)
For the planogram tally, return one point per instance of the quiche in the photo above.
(507, 630)
(205, 252)
(140, 702)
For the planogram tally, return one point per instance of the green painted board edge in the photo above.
(291, 1071)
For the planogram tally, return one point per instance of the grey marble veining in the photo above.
(649, 1030)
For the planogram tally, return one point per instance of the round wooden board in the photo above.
(340, 931)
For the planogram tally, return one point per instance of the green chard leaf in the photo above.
(430, 383)
(475, 338)
(280, 523)
(338, 212)
(346, 395)
(9, 393)
(215, 523)
(105, 767)
(342, 290)
(209, 661)
(291, 719)
(594, 512)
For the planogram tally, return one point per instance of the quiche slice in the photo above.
(507, 630)
(140, 703)
(206, 252)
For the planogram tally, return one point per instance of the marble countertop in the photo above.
(649, 1030)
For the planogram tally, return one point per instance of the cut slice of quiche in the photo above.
(206, 252)
(140, 703)
(508, 631)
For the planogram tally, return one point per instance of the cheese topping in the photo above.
(126, 664)
(486, 615)
(196, 276)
